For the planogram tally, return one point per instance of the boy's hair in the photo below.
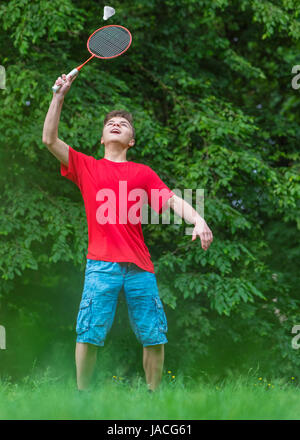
(122, 114)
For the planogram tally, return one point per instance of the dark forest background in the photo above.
(209, 84)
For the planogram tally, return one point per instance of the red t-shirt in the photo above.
(113, 195)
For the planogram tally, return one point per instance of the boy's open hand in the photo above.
(202, 230)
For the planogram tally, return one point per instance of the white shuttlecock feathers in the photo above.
(108, 12)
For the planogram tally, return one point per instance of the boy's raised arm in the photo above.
(50, 131)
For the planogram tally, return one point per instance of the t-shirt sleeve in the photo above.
(78, 164)
(157, 191)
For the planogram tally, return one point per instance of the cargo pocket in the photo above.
(161, 316)
(84, 316)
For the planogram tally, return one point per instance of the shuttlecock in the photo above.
(108, 12)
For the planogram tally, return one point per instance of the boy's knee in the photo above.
(157, 349)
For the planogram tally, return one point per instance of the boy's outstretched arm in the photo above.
(50, 131)
(189, 214)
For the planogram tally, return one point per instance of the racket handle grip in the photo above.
(73, 72)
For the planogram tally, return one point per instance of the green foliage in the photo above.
(30, 22)
(44, 395)
(209, 85)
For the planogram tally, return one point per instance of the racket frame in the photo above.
(114, 56)
(75, 71)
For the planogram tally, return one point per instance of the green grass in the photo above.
(179, 398)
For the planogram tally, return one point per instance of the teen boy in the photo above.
(117, 255)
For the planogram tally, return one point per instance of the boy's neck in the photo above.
(116, 155)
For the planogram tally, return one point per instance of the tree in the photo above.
(209, 85)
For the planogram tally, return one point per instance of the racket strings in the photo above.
(107, 47)
(109, 42)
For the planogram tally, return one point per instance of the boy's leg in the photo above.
(85, 357)
(148, 320)
(103, 281)
(153, 362)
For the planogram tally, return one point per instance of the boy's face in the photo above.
(117, 129)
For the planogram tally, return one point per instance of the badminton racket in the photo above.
(107, 42)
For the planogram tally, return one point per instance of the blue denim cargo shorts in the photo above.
(102, 284)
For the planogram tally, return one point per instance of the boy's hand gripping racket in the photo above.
(107, 42)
